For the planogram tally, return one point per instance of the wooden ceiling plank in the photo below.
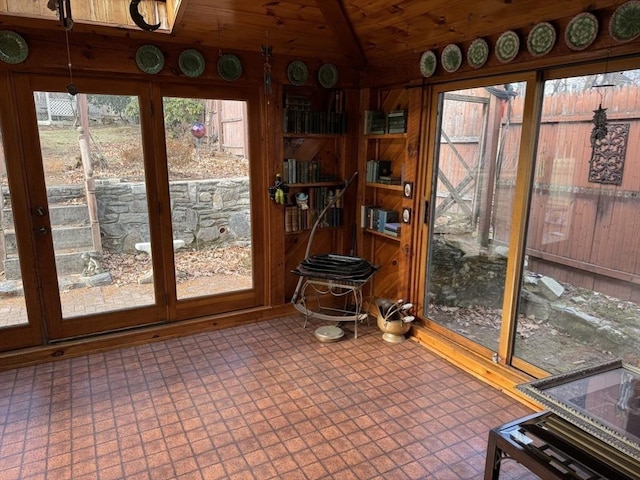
(337, 20)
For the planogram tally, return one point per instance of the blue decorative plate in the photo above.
(581, 31)
(477, 53)
(13, 48)
(451, 58)
(297, 73)
(328, 75)
(191, 63)
(625, 22)
(507, 46)
(541, 39)
(149, 59)
(229, 67)
(428, 63)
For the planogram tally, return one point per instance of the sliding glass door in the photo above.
(476, 162)
(533, 258)
(580, 290)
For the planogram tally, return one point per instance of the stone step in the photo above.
(72, 214)
(66, 264)
(64, 238)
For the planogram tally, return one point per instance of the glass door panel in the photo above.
(94, 173)
(580, 291)
(476, 162)
(13, 308)
(209, 188)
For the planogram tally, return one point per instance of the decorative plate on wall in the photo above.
(477, 53)
(428, 62)
(451, 58)
(328, 75)
(507, 46)
(13, 48)
(625, 22)
(541, 39)
(581, 31)
(297, 72)
(229, 67)
(191, 63)
(149, 59)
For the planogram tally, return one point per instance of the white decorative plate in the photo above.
(428, 63)
(328, 75)
(477, 53)
(541, 39)
(13, 48)
(149, 59)
(229, 67)
(451, 58)
(581, 31)
(191, 62)
(507, 46)
(297, 72)
(625, 22)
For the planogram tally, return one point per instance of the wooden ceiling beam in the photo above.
(333, 12)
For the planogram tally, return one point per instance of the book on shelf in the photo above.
(375, 169)
(374, 122)
(374, 217)
(389, 180)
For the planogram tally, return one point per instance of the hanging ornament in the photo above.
(599, 131)
(266, 52)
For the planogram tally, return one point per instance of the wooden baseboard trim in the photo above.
(138, 336)
(497, 375)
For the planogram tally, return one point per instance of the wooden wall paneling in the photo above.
(271, 138)
(410, 239)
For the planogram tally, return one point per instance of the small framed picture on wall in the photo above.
(406, 215)
(407, 190)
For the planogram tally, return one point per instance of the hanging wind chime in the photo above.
(63, 8)
(266, 53)
(599, 131)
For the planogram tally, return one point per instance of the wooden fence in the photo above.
(580, 232)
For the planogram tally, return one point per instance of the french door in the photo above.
(91, 225)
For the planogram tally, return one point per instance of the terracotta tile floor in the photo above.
(253, 402)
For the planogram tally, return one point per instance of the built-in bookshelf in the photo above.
(384, 214)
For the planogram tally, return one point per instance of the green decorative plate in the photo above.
(328, 75)
(229, 67)
(191, 63)
(297, 73)
(477, 53)
(13, 48)
(581, 31)
(451, 58)
(541, 39)
(507, 46)
(625, 22)
(149, 59)
(428, 63)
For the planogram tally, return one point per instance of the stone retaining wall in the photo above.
(203, 212)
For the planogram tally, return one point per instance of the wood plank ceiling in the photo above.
(371, 33)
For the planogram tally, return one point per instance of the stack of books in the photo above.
(397, 121)
(298, 118)
(392, 229)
